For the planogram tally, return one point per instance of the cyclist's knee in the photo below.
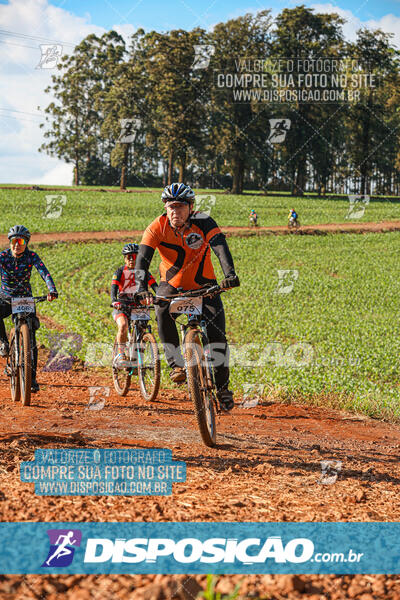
(122, 323)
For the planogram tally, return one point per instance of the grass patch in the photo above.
(333, 339)
(102, 211)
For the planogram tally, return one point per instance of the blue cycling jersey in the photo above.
(15, 273)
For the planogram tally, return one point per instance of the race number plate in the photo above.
(186, 306)
(19, 305)
(140, 314)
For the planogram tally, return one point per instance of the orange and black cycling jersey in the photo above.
(185, 253)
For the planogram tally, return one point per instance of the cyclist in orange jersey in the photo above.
(184, 239)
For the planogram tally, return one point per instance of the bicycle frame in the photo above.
(195, 323)
(20, 319)
(135, 333)
(136, 329)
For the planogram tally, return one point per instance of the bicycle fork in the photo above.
(207, 385)
(15, 350)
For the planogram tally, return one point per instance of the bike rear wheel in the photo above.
(201, 396)
(14, 375)
(121, 377)
(149, 367)
(25, 364)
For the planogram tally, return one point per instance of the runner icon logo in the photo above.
(330, 471)
(61, 551)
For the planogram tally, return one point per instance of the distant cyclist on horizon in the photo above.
(293, 216)
(183, 238)
(253, 217)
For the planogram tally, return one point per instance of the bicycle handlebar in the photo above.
(35, 298)
(131, 305)
(203, 292)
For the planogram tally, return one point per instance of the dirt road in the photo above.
(266, 468)
(348, 227)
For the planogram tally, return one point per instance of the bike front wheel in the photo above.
(120, 375)
(200, 394)
(149, 367)
(25, 364)
(14, 372)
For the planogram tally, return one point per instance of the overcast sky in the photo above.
(24, 24)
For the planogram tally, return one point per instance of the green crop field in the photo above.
(103, 211)
(326, 333)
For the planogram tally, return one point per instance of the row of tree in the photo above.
(193, 130)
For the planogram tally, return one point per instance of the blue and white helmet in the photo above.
(178, 192)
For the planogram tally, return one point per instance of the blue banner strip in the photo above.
(244, 548)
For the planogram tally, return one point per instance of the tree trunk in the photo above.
(365, 147)
(301, 178)
(238, 174)
(122, 185)
(170, 166)
(76, 173)
(182, 169)
(165, 170)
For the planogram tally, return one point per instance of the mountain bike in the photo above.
(142, 354)
(293, 223)
(197, 357)
(253, 221)
(20, 356)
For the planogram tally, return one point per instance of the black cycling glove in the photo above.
(230, 282)
(144, 295)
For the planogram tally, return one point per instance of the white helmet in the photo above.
(178, 192)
